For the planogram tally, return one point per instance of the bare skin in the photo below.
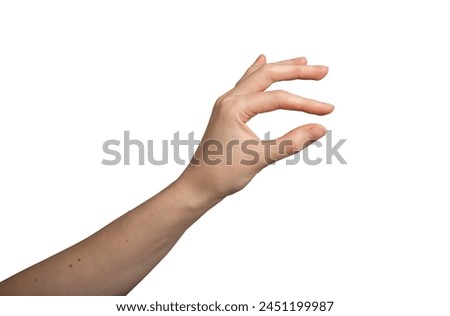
(115, 259)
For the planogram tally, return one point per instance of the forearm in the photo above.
(116, 258)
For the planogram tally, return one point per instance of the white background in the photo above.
(371, 235)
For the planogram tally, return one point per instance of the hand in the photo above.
(114, 259)
(230, 154)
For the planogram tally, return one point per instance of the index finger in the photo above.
(267, 74)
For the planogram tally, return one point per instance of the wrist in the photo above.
(194, 199)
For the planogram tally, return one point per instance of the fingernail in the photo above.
(329, 105)
(317, 131)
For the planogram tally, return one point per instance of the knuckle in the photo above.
(267, 69)
(287, 147)
(224, 99)
(227, 104)
(219, 100)
(229, 101)
(279, 93)
(268, 73)
(299, 71)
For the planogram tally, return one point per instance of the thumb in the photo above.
(292, 142)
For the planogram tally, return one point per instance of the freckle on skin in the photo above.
(70, 265)
(79, 259)
(35, 280)
(126, 240)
